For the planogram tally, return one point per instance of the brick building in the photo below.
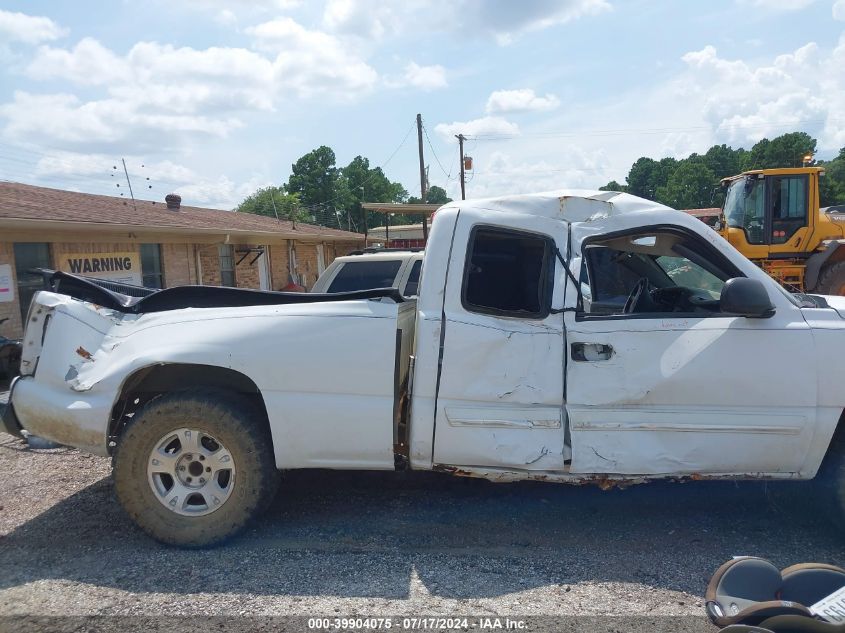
(154, 244)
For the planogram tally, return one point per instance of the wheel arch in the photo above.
(834, 252)
(146, 383)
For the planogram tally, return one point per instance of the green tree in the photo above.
(434, 195)
(359, 183)
(690, 186)
(786, 150)
(832, 184)
(723, 161)
(613, 186)
(273, 201)
(314, 177)
(648, 175)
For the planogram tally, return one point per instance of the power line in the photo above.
(437, 158)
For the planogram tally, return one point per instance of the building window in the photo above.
(151, 269)
(227, 264)
(29, 255)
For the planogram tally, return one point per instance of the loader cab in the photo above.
(772, 213)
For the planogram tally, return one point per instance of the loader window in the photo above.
(789, 206)
(745, 208)
(507, 273)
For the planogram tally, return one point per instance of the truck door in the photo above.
(659, 381)
(500, 396)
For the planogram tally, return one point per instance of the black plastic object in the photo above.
(749, 591)
(180, 297)
(746, 297)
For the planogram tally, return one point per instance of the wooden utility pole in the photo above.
(422, 176)
(461, 138)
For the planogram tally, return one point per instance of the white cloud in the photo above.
(508, 20)
(220, 192)
(89, 62)
(425, 77)
(151, 179)
(29, 29)
(485, 126)
(523, 100)
(310, 61)
(160, 94)
(362, 17)
(778, 5)
(745, 101)
(505, 20)
(57, 120)
(503, 172)
(839, 10)
(243, 6)
(226, 17)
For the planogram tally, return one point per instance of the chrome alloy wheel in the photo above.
(190, 472)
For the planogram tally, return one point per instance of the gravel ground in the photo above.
(339, 544)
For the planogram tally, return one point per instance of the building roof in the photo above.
(27, 207)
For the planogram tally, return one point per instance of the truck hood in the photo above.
(837, 303)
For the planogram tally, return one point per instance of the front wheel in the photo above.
(830, 483)
(194, 467)
(832, 280)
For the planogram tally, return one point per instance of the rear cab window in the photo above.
(413, 284)
(508, 273)
(365, 275)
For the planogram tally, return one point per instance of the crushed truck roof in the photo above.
(568, 205)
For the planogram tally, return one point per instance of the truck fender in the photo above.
(818, 260)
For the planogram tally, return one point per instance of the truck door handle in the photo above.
(585, 352)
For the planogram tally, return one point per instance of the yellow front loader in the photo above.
(772, 216)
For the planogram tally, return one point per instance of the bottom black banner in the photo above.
(356, 623)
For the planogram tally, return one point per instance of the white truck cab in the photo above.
(572, 336)
(373, 268)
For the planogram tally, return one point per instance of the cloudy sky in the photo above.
(213, 98)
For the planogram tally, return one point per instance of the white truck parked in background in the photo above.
(373, 268)
(575, 336)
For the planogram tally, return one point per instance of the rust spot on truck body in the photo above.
(603, 481)
(84, 353)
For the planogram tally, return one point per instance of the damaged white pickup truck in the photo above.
(575, 336)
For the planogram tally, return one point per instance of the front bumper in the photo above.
(8, 420)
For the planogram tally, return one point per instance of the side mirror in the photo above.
(746, 297)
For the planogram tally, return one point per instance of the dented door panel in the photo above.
(692, 395)
(500, 395)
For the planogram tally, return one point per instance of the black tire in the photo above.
(832, 280)
(238, 425)
(830, 482)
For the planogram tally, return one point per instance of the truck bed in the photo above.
(330, 370)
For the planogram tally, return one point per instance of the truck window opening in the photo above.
(678, 277)
(411, 288)
(506, 273)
